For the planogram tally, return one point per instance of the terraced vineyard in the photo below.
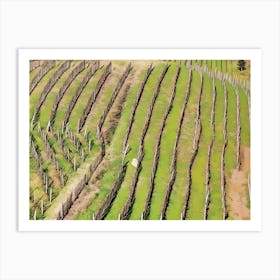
(135, 140)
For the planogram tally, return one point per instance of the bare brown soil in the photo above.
(237, 197)
(86, 196)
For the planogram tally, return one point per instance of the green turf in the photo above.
(101, 103)
(224, 66)
(48, 104)
(115, 149)
(36, 187)
(111, 164)
(36, 94)
(215, 207)
(230, 154)
(244, 118)
(166, 149)
(152, 135)
(133, 141)
(197, 194)
(178, 194)
(34, 72)
(62, 161)
(67, 97)
(83, 100)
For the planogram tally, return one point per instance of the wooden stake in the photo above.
(61, 212)
(61, 178)
(46, 188)
(98, 131)
(42, 206)
(48, 126)
(58, 138)
(78, 145)
(89, 145)
(67, 156)
(78, 126)
(56, 165)
(85, 133)
(50, 195)
(62, 127)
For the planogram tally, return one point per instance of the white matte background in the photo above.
(87, 24)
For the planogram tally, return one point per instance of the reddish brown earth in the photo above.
(237, 197)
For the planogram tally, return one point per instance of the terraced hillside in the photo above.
(138, 140)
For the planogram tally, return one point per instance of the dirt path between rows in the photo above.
(237, 197)
(84, 199)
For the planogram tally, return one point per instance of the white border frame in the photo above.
(254, 224)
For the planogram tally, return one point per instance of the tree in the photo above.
(241, 65)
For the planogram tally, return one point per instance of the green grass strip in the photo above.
(166, 150)
(244, 118)
(48, 104)
(215, 211)
(35, 96)
(185, 151)
(133, 141)
(67, 97)
(230, 155)
(83, 100)
(151, 139)
(109, 176)
(197, 194)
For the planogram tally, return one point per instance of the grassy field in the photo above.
(185, 150)
(197, 196)
(149, 145)
(230, 156)
(133, 141)
(109, 177)
(80, 149)
(215, 207)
